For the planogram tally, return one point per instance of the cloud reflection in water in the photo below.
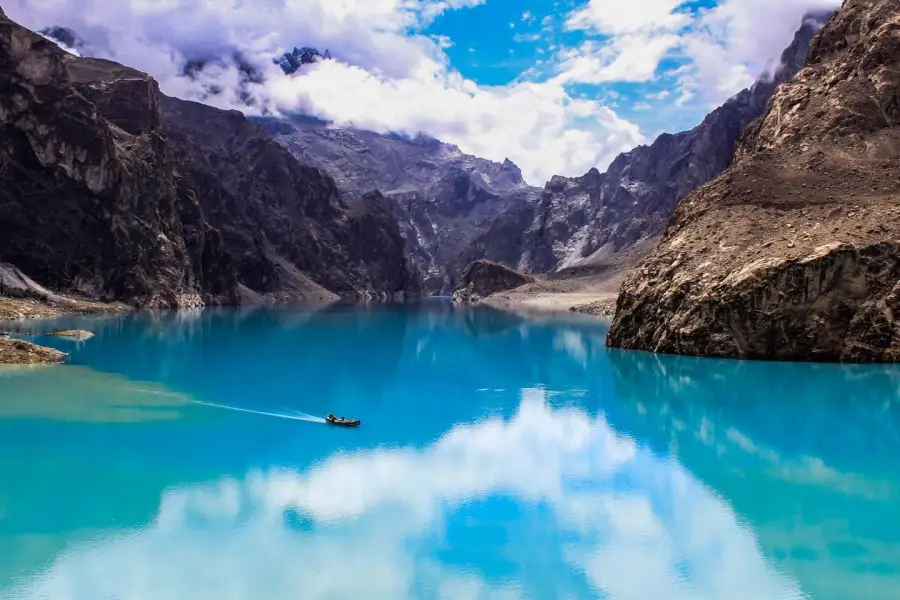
(384, 524)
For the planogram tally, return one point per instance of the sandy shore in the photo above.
(590, 289)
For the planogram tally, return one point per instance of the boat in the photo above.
(341, 422)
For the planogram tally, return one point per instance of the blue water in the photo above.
(183, 456)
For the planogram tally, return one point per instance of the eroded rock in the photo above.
(822, 157)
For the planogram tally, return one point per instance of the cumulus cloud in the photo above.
(613, 17)
(721, 49)
(386, 76)
(383, 77)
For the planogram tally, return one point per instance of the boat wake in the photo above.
(297, 416)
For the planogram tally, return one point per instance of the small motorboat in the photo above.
(341, 422)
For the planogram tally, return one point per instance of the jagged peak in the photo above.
(290, 62)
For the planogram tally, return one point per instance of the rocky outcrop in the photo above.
(20, 352)
(483, 278)
(586, 219)
(444, 200)
(290, 62)
(111, 190)
(76, 335)
(793, 252)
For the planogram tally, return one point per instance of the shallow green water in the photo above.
(498, 458)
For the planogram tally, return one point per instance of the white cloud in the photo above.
(629, 520)
(731, 44)
(614, 17)
(722, 49)
(383, 77)
(628, 58)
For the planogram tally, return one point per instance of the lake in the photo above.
(183, 455)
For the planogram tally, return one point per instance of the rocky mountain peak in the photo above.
(581, 220)
(290, 62)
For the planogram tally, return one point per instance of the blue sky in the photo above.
(557, 86)
(502, 41)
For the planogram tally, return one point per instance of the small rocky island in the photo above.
(20, 352)
(794, 252)
(483, 278)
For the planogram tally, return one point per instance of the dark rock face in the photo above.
(86, 206)
(483, 278)
(283, 222)
(111, 190)
(588, 218)
(290, 62)
(792, 253)
(443, 199)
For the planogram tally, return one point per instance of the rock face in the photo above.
(443, 199)
(793, 252)
(586, 219)
(110, 190)
(483, 278)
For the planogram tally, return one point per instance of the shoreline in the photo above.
(14, 351)
(556, 304)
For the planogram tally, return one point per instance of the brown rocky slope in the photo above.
(792, 253)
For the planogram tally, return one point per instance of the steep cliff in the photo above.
(586, 219)
(443, 199)
(111, 190)
(87, 206)
(793, 252)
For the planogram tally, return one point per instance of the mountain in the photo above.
(793, 252)
(443, 199)
(584, 220)
(112, 190)
(290, 62)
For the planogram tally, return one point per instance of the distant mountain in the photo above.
(443, 199)
(455, 208)
(582, 220)
(290, 62)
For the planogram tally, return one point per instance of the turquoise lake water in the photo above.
(498, 458)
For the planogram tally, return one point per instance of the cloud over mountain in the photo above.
(389, 74)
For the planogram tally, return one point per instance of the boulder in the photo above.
(483, 278)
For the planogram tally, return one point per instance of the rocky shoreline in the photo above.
(20, 352)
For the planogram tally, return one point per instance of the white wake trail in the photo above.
(294, 417)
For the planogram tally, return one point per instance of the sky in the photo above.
(556, 86)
